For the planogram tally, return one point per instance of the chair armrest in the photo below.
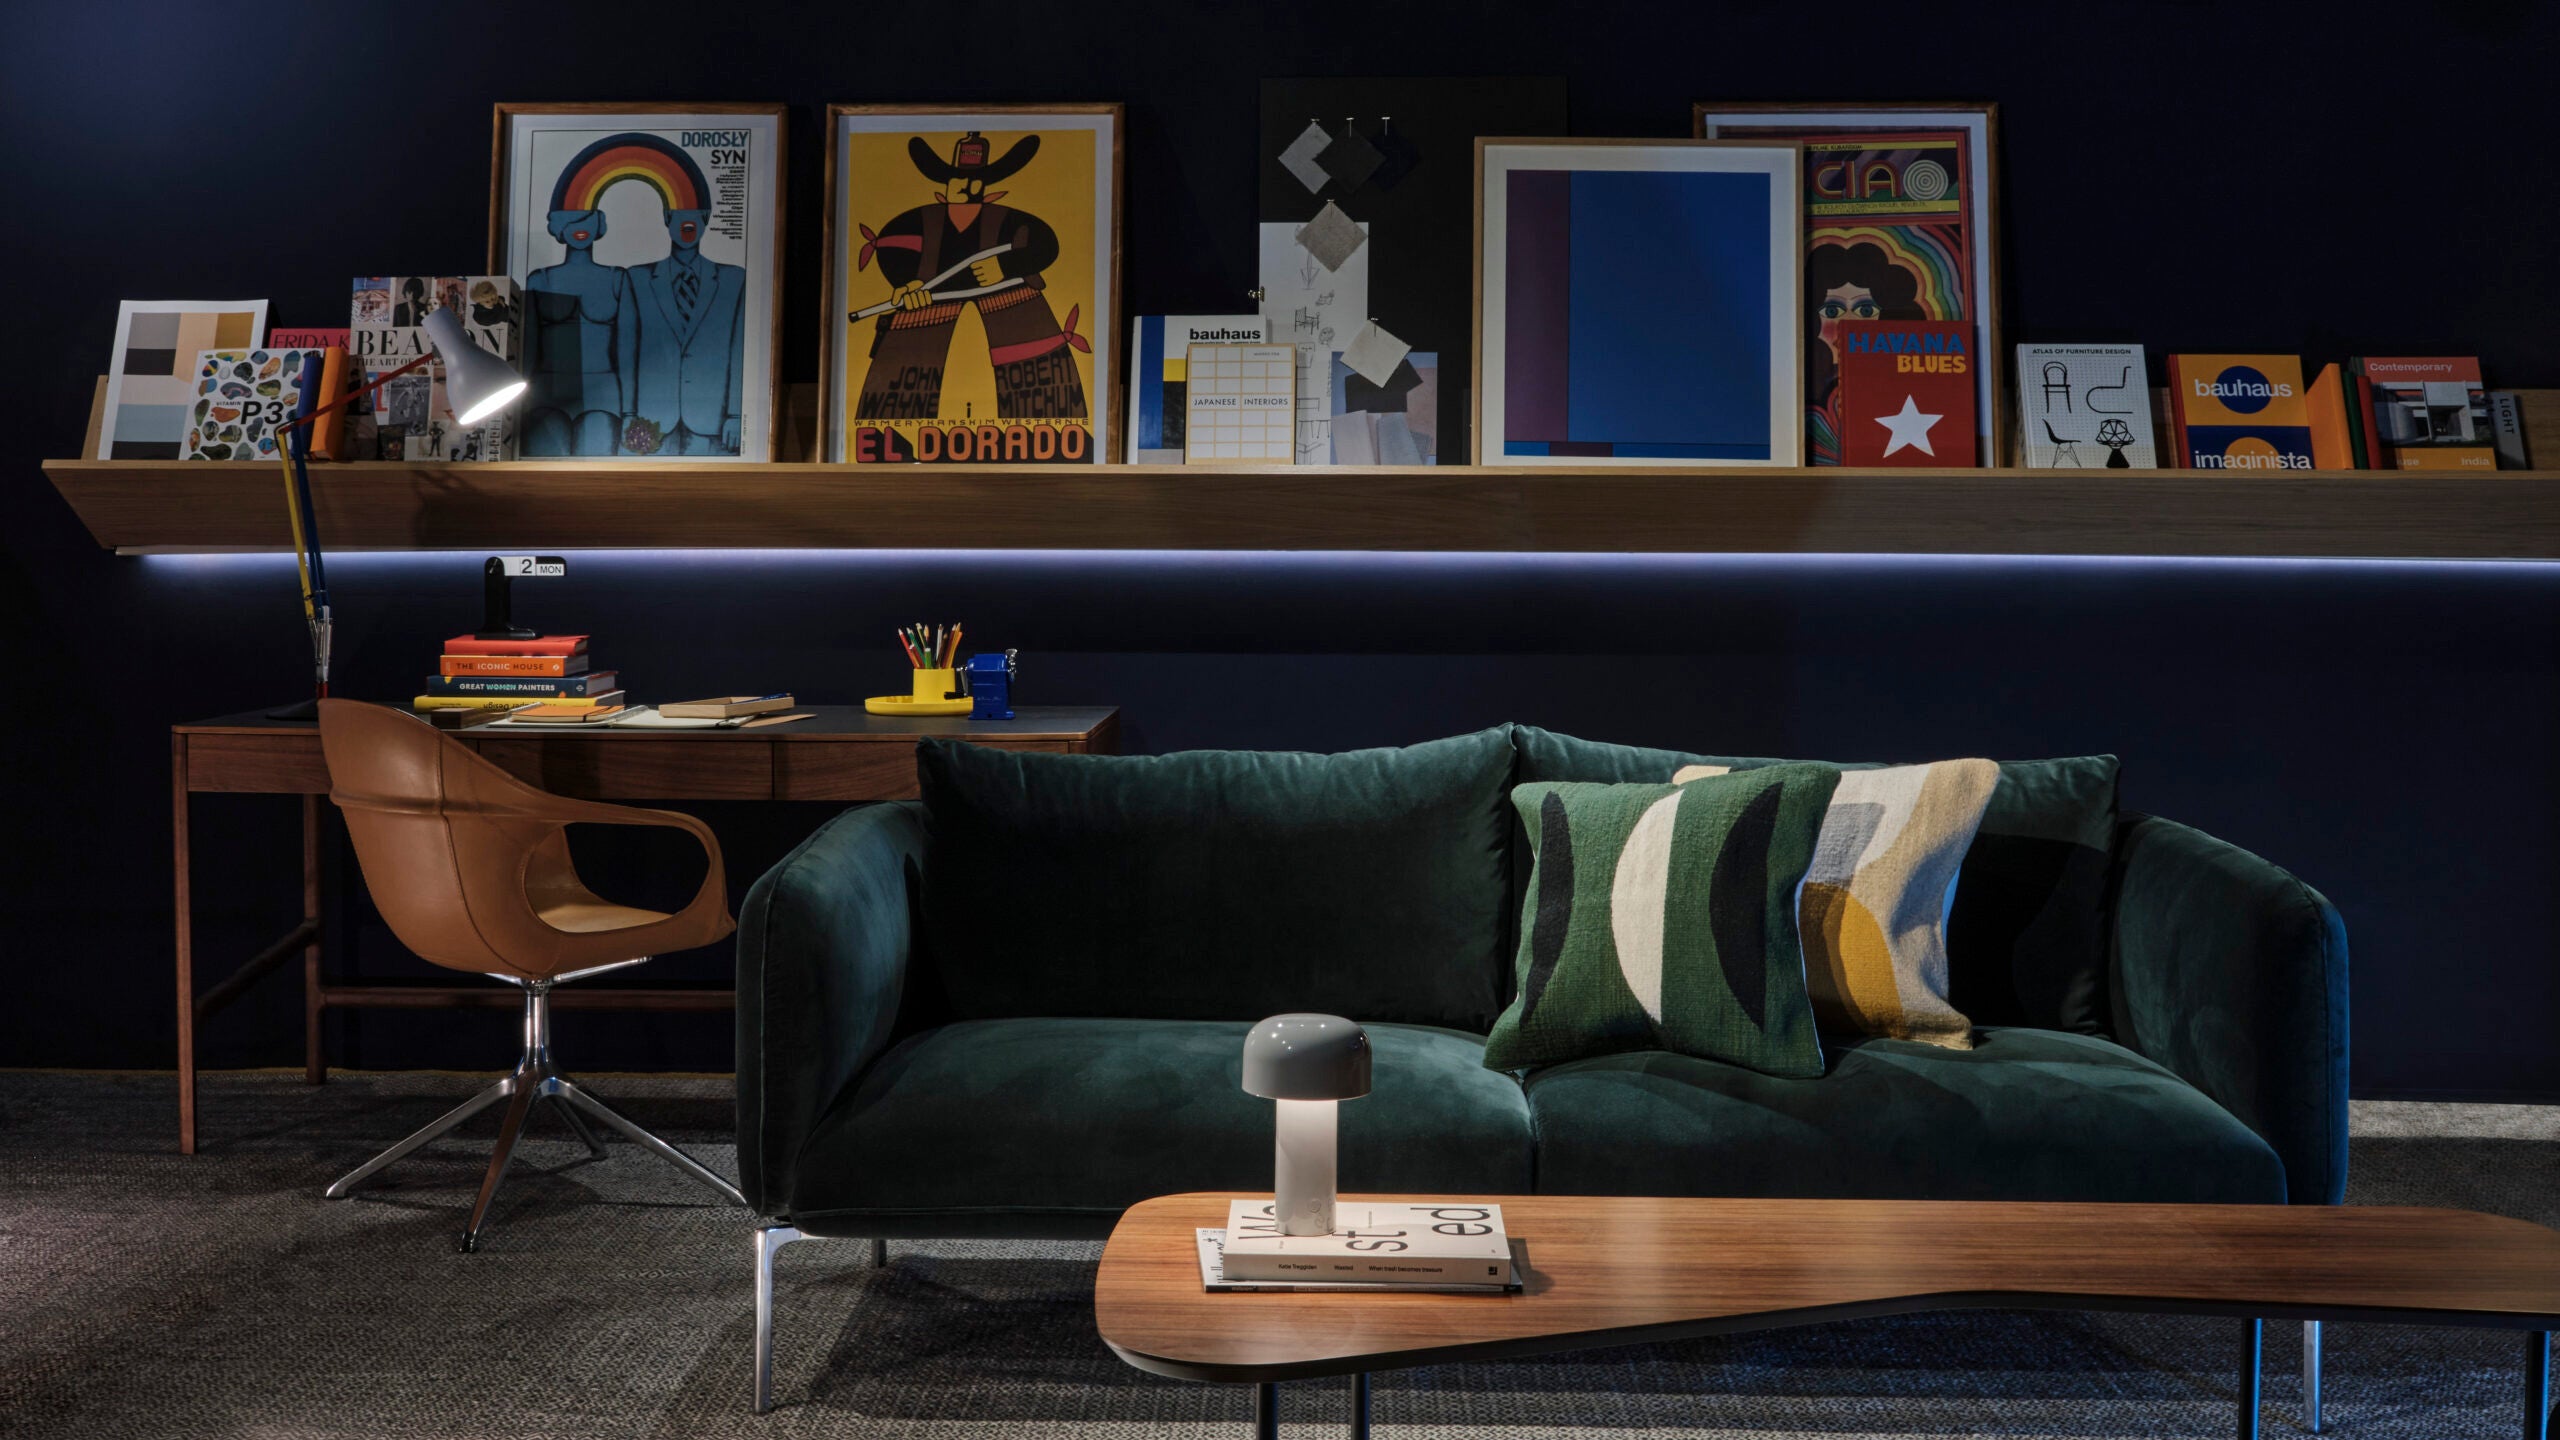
(2233, 974)
(823, 946)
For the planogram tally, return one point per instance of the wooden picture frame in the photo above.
(1980, 122)
(679, 408)
(847, 252)
(1619, 410)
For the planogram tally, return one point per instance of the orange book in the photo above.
(513, 665)
(329, 432)
(2331, 448)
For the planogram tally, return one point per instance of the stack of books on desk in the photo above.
(1451, 1245)
(554, 670)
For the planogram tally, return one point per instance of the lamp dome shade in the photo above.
(477, 384)
(1306, 1057)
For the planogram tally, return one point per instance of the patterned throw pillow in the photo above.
(1873, 915)
(1662, 917)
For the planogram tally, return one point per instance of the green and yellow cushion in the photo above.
(1662, 917)
(1873, 914)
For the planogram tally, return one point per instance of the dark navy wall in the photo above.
(2383, 730)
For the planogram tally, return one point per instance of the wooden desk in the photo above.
(842, 754)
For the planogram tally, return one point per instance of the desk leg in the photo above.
(2537, 1385)
(1266, 1411)
(1360, 1405)
(2252, 1343)
(186, 948)
(315, 1066)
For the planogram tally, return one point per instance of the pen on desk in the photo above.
(907, 643)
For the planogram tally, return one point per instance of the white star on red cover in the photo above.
(1909, 426)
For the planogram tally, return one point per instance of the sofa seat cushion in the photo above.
(1051, 1127)
(2024, 1115)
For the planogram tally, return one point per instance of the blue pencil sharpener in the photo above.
(991, 685)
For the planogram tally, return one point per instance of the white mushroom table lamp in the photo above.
(1305, 1064)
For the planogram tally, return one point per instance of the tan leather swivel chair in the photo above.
(471, 868)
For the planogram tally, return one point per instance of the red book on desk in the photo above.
(538, 645)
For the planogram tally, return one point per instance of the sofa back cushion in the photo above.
(1221, 884)
(2026, 941)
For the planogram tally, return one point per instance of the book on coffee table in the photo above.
(1441, 1243)
(1213, 1276)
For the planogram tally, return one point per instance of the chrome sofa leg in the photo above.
(354, 1180)
(693, 1169)
(769, 1242)
(2311, 1376)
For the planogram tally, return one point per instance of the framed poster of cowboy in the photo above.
(973, 284)
(648, 244)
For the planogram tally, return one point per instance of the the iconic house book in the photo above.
(1450, 1242)
(2429, 412)
(2239, 412)
(1159, 370)
(1906, 392)
(2085, 407)
(512, 665)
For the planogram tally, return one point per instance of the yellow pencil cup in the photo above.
(936, 684)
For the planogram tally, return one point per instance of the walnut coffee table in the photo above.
(1613, 1271)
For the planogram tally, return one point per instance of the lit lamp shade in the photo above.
(477, 384)
(1304, 1064)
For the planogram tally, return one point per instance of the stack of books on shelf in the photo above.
(1453, 1245)
(553, 671)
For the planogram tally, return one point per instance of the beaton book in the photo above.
(1446, 1242)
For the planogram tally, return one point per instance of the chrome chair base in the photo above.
(535, 1080)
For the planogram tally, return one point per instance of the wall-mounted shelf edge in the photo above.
(178, 506)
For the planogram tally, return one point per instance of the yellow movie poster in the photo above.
(972, 284)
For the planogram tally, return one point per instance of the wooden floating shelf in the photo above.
(178, 506)
(145, 506)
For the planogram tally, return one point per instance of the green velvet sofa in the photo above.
(1017, 1006)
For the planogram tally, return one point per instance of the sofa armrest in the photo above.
(2233, 974)
(823, 944)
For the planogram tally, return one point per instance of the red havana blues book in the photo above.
(1907, 391)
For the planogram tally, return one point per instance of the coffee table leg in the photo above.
(1360, 1405)
(1266, 1411)
(2253, 1334)
(2537, 1385)
(2311, 1376)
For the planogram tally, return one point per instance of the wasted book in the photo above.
(1442, 1243)
(1213, 1276)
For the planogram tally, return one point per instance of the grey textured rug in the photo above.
(146, 1294)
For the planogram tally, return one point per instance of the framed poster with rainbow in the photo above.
(648, 243)
(1900, 220)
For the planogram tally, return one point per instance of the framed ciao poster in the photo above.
(1636, 303)
(647, 241)
(972, 259)
(1901, 223)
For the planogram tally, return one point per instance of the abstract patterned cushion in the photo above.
(1873, 915)
(1662, 917)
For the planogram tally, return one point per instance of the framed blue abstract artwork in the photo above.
(1636, 303)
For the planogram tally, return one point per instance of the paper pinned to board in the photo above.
(1300, 158)
(1310, 303)
(1374, 353)
(1332, 237)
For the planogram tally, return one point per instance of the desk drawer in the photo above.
(288, 764)
(618, 768)
(852, 771)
